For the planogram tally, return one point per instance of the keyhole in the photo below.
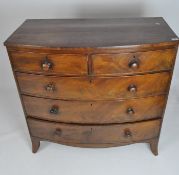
(91, 104)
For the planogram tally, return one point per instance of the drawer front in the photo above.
(64, 64)
(94, 134)
(94, 89)
(133, 62)
(95, 112)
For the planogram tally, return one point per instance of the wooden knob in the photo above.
(54, 110)
(127, 133)
(58, 132)
(132, 88)
(130, 111)
(134, 64)
(46, 65)
(50, 87)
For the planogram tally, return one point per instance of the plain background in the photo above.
(15, 146)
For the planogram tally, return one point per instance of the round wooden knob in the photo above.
(130, 111)
(54, 110)
(127, 133)
(134, 64)
(132, 88)
(46, 65)
(58, 132)
(50, 87)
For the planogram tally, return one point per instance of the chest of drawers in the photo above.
(93, 82)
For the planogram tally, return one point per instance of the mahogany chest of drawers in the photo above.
(93, 82)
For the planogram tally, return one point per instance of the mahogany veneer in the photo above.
(93, 82)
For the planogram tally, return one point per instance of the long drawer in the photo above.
(94, 134)
(84, 88)
(95, 112)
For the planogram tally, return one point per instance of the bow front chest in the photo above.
(93, 82)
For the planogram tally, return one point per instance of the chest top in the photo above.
(89, 33)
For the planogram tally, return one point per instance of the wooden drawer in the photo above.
(64, 64)
(95, 112)
(97, 88)
(94, 134)
(138, 62)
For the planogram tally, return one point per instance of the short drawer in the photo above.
(95, 112)
(63, 64)
(139, 62)
(94, 134)
(93, 89)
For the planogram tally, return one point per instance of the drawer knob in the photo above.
(127, 133)
(130, 111)
(50, 87)
(134, 64)
(132, 88)
(46, 65)
(58, 132)
(54, 110)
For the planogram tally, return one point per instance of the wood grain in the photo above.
(95, 112)
(85, 33)
(94, 134)
(120, 63)
(63, 64)
(94, 89)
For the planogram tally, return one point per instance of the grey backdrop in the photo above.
(15, 153)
